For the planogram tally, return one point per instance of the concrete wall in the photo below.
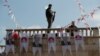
(91, 47)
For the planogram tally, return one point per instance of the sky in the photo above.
(31, 13)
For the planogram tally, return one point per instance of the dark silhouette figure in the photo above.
(73, 28)
(50, 15)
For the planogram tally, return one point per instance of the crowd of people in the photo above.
(37, 42)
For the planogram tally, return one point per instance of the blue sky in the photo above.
(31, 13)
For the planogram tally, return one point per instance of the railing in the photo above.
(84, 31)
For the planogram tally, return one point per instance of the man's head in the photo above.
(73, 23)
(50, 5)
(9, 35)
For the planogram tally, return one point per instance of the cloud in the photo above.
(97, 16)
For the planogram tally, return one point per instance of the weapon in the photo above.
(53, 18)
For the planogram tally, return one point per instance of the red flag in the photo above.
(15, 35)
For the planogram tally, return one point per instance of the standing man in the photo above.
(51, 44)
(9, 44)
(73, 28)
(24, 43)
(50, 15)
(79, 41)
(37, 44)
(65, 42)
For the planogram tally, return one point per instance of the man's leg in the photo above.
(64, 50)
(7, 49)
(39, 50)
(13, 49)
(49, 49)
(21, 49)
(49, 22)
(49, 25)
(34, 51)
(82, 44)
(76, 46)
(54, 49)
(22, 46)
(26, 49)
(69, 48)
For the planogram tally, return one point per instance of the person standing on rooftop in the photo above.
(50, 15)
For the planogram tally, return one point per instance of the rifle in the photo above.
(53, 18)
